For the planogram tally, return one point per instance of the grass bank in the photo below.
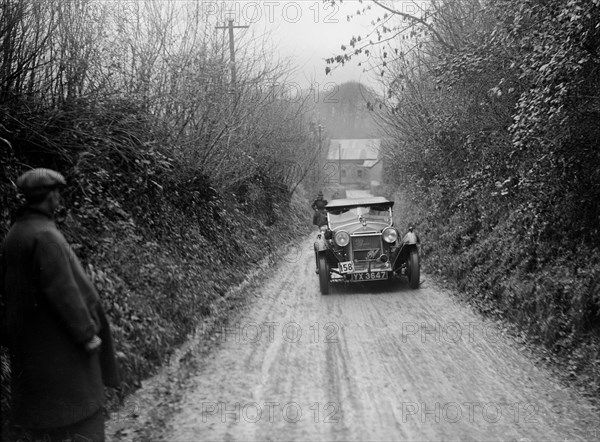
(162, 248)
(547, 289)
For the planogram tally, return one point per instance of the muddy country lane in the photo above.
(370, 362)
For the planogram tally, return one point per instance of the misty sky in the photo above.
(307, 31)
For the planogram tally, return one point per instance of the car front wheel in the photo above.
(316, 260)
(323, 275)
(414, 271)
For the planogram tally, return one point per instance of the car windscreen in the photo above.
(342, 217)
(355, 214)
(375, 211)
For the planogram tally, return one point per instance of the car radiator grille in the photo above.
(366, 247)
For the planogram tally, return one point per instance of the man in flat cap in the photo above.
(60, 344)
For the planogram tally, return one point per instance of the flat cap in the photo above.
(40, 180)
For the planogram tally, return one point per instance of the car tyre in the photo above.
(414, 270)
(323, 275)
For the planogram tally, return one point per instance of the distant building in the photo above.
(354, 162)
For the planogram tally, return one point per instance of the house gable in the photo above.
(355, 161)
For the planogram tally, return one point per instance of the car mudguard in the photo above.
(410, 238)
(320, 244)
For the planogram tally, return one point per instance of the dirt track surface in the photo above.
(368, 362)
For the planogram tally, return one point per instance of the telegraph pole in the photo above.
(340, 161)
(320, 128)
(231, 27)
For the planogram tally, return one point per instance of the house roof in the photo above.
(370, 163)
(354, 149)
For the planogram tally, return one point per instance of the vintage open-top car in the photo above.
(360, 243)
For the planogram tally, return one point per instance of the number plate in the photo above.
(369, 276)
(346, 267)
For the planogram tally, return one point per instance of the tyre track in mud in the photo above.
(370, 362)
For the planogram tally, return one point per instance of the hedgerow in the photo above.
(493, 139)
(160, 243)
(180, 176)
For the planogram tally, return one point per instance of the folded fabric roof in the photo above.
(339, 205)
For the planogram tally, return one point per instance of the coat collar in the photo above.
(28, 210)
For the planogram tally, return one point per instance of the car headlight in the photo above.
(342, 238)
(390, 235)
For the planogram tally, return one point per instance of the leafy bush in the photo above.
(495, 145)
(160, 243)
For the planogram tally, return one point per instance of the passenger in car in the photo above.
(318, 205)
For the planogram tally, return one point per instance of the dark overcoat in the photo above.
(51, 310)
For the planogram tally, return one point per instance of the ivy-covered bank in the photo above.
(547, 290)
(180, 176)
(161, 245)
(493, 135)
